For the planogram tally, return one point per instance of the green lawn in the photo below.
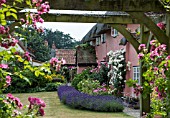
(55, 109)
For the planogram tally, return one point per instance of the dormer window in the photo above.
(103, 38)
(114, 33)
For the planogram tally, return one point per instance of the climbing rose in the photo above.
(168, 57)
(140, 55)
(5, 66)
(41, 111)
(8, 80)
(44, 8)
(27, 56)
(2, 30)
(2, 2)
(161, 25)
(142, 46)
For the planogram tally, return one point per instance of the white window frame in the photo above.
(136, 73)
(91, 43)
(114, 32)
(103, 38)
(98, 41)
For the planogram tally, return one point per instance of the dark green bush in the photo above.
(79, 77)
(52, 86)
(101, 75)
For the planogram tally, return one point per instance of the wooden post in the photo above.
(144, 102)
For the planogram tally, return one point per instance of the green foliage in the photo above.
(61, 40)
(34, 42)
(79, 77)
(52, 86)
(101, 75)
(88, 85)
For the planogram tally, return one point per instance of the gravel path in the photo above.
(132, 112)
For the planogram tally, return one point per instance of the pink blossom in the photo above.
(40, 29)
(36, 101)
(162, 47)
(63, 61)
(40, 20)
(10, 96)
(104, 89)
(41, 111)
(156, 89)
(27, 56)
(2, 29)
(2, 2)
(22, 20)
(5, 66)
(53, 60)
(140, 55)
(161, 25)
(8, 80)
(14, 42)
(142, 46)
(166, 64)
(152, 48)
(155, 68)
(5, 45)
(18, 103)
(44, 8)
(168, 57)
(153, 42)
(95, 91)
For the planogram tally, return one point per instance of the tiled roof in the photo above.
(67, 54)
(86, 56)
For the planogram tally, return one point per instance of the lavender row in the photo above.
(70, 96)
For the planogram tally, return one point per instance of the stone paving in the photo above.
(132, 112)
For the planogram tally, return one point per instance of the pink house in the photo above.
(105, 39)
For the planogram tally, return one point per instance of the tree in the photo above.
(61, 40)
(35, 43)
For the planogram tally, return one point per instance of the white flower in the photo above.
(120, 65)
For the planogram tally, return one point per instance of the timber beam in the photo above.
(108, 5)
(145, 20)
(117, 19)
(105, 5)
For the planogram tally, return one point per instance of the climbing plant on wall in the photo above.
(117, 70)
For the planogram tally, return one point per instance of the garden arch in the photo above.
(135, 10)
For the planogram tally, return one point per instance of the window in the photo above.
(114, 33)
(103, 38)
(136, 73)
(92, 43)
(98, 41)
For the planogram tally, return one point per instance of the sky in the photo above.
(76, 30)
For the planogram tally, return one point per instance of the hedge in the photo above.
(71, 97)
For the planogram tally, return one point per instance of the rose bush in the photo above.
(12, 63)
(157, 64)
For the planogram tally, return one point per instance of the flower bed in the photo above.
(70, 96)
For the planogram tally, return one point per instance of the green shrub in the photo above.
(88, 85)
(79, 77)
(101, 75)
(52, 86)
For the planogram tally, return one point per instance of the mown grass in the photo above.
(55, 109)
